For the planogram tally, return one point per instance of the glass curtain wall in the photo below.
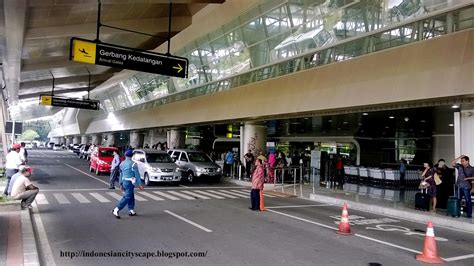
(271, 32)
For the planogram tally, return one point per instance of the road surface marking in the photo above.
(79, 197)
(114, 195)
(93, 177)
(208, 194)
(189, 222)
(166, 195)
(180, 195)
(298, 206)
(459, 257)
(184, 186)
(99, 197)
(48, 257)
(151, 196)
(235, 194)
(61, 198)
(222, 194)
(195, 195)
(41, 199)
(139, 198)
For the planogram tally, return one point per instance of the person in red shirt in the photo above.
(257, 184)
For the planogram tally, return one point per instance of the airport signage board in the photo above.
(90, 52)
(49, 100)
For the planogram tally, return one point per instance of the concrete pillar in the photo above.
(77, 140)
(97, 139)
(68, 140)
(136, 139)
(176, 138)
(63, 140)
(463, 128)
(110, 140)
(85, 139)
(253, 137)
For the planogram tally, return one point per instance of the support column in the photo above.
(85, 139)
(176, 138)
(253, 137)
(77, 140)
(110, 140)
(63, 140)
(136, 139)
(463, 128)
(68, 141)
(96, 139)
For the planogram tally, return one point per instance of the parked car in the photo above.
(57, 147)
(101, 159)
(50, 145)
(195, 164)
(76, 148)
(89, 151)
(83, 151)
(156, 166)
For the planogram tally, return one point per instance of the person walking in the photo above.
(13, 161)
(129, 178)
(403, 171)
(257, 184)
(465, 174)
(23, 189)
(114, 170)
(229, 162)
(249, 159)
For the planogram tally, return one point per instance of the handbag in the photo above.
(423, 185)
(437, 180)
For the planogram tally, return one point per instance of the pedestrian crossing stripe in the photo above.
(93, 197)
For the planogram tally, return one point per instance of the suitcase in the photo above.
(454, 207)
(422, 201)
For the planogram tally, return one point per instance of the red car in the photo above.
(101, 159)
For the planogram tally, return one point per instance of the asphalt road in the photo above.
(75, 226)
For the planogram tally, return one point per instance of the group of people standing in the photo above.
(434, 175)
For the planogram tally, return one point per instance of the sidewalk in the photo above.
(16, 234)
(396, 203)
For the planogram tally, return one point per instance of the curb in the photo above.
(407, 215)
(30, 250)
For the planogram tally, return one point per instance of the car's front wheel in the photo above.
(147, 179)
(97, 171)
(90, 168)
(190, 177)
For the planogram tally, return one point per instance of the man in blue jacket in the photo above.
(129, 178)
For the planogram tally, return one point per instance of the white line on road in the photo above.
(139, 198)
(208, 194)
(235, 194)
(189, 222)
(151, 196)
(195, 194)
(41, 199)
(358, 235)
(459, 257)
(184, 186)
(299, 206)
(222, 194)
(79, 197)
(114, 195)
(166, 195)
(180, 195)
(48, 257)
(99, 197)
(61, 198)
(93, 177)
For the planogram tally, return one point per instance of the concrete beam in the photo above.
(149, 25)
(83, 79)
(49, 62)
(57, 91)
(118, 2)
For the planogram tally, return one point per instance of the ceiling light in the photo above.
(391, 117)
(407, 119)
(345, 122)
(451, 125)
(423, 121)
(386, 127)
(330, 120)
(454, 106)
(365, 114)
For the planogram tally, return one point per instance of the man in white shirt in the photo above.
(13, 161)
(23, 152)
(23, 189)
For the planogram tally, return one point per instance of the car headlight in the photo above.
(199, 169)
(219, 170)
(156, 169)
(177, 170)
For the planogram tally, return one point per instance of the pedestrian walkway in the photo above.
(52, 156)
(85, 197)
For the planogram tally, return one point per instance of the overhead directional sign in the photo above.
(86, 51)
(67, 102)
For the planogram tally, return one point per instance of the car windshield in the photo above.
(198, 157)
(107, 153)
(158, 158)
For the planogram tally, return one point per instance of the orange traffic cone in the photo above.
(344, 227)
(429, 254)
(262, 201)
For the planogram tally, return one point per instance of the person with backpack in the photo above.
(128, 180)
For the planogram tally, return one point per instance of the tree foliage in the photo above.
(30, 135)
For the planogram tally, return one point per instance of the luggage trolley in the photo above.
(352, 174)
(392, 178)
(363, 175)
(376, 177)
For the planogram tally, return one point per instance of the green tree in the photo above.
(29, 135)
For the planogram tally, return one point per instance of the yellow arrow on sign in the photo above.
(179, 68)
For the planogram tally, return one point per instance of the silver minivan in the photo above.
(195, 164)
(156, 166)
